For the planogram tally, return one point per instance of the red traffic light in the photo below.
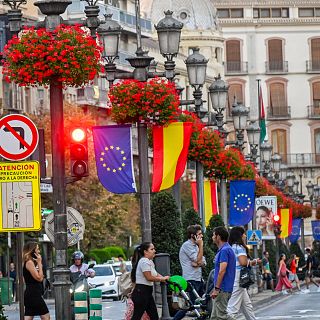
(78, 134)
(276, 218)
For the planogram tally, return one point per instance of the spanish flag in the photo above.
(286, 222)
(170, 151)
(210, 199)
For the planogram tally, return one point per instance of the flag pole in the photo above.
(259, 118)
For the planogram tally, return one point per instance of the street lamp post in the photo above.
(240, 115)
(218, 94)
(265, 153)
(253, 132)
(169, 30)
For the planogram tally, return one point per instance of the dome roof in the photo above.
(195, 14)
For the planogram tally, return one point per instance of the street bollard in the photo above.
(162, 264)
(80, 306)
(95, 296)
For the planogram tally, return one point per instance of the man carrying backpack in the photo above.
(310, 266)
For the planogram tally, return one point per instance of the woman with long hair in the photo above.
(283, 280)
(143, 275)
(240, 300)
(293, 263)
(33, 276)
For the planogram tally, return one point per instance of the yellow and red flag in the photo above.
(286, 222)
(170, 151)
(210, 199)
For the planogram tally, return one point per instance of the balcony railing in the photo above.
(301, 159)
(313, 66)
(276, 67)
(235, 67)
(279, 113)
(314, 112)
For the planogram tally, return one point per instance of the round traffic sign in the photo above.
(19, 137)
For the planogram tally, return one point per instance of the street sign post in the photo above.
(75, 225)
(19, 137)
(254, 237)
(20, 196)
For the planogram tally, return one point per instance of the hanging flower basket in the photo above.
(154, 102)
(68, 54)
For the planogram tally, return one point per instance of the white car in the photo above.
(106, 275)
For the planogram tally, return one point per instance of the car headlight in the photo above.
(79, 289)
(109, 283)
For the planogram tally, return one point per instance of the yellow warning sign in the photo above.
(20, 208)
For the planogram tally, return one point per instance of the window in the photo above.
(270, 13)
(275, 55)
(279, 143)
(309, 12)
(230, 13)
(278, 102)
(317, 141)
(233, 55)
(316, 94)
(315, 54)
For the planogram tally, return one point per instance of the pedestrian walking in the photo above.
(283, 280)
(192, 261)
(266, 271)
(13, 275)
(33, 276)
(224, 274)
(309, 266)
(293, 277)
(240, 300)
(143, 275)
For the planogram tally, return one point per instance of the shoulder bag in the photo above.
(246, 275)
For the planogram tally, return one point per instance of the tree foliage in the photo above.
(189, 217)
(166, 227)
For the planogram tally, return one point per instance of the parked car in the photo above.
(116, 266)
(105, 274)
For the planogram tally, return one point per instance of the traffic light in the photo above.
(276, 218)
(79, 152)
(276, 224)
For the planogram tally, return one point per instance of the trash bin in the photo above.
(6, 290)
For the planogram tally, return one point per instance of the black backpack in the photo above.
(315, 263)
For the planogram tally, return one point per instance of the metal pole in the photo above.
(8, 266)
(200, 193)
(223, 201)
(145, 215)
(20, 274)
(164, 297)
(61, 272)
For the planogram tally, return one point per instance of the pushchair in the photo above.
(202, 306)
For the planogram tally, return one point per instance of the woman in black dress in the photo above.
(33, 277)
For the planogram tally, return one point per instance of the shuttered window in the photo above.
(235, 90)
(233, 55)
(315, 53)
(279, 143)
(275, 55)
(316, 94)
(278, 102)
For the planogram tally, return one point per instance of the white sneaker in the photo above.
(306, 291)
(285, 292)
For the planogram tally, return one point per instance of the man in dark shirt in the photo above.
(309, 274)
(224, 274)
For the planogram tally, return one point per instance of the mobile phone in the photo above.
(194, 237)
(33, 255)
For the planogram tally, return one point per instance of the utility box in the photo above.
(6, 290)
(162, 263)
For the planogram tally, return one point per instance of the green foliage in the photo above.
(166, 228)
(105, 254)
(189, 217)
(210, 248)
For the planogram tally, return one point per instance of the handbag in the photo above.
(283, 274)
(246, 277)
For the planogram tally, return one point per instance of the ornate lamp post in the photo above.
(276, 162)
(265, 151)
(253, 132)
(240, 115)
(218, 95)
(290, 181)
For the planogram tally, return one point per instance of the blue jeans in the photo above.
(198, 285)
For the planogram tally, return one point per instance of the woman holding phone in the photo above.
(33, 276)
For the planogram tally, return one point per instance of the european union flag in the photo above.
(295, 231)
(112, 146)
(241, 202)
(316, 229)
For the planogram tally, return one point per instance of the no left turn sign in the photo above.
(19, 137)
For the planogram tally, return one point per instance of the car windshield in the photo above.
(103, 271)
(117, 268)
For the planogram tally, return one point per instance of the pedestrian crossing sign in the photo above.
(254, 237)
